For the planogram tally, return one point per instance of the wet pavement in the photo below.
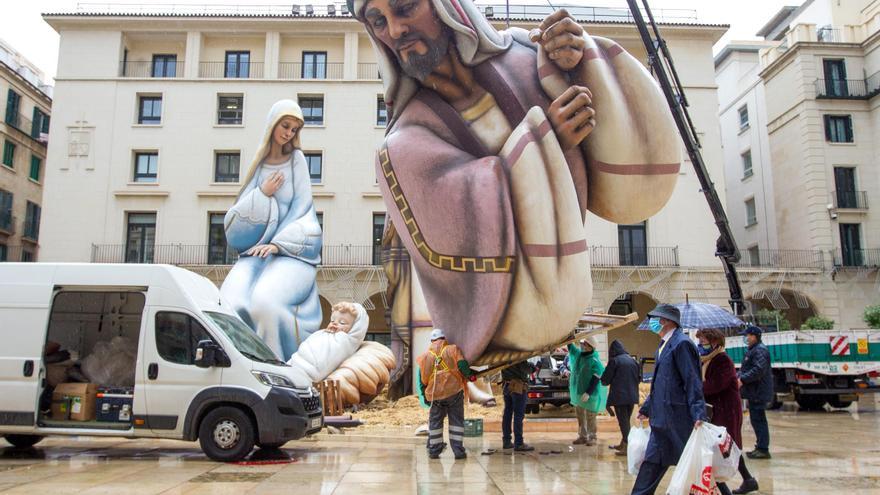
(813, 453)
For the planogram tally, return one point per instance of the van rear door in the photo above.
(24, 314)
(172, 380)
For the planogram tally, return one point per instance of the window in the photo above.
(838, 128)
(835, 77)
(313, 109)
(149, 110)
(226, 166)
(378, 233)
(320, 215)
(6, 219)
(140, 238)
(4, 252)
(381, 112)
(230, 109)
(13, 100)
(35, 167)
(164, 65)
(845, 187)
(316, 166)
(743, 117)
(751, 213)
(851, 244)
(32, 221)
(314, 65)
(754, 256)
(747, 164)
(177, 337)
(218, 251)
(633, 244)
(27, 256)
(238, 65)
(40, 123)
(146, 166)
(9, 154)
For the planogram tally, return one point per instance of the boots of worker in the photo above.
(579, 441)
(523, 448)
(749, 485)
(621, 451)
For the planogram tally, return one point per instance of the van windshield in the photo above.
(244, 339)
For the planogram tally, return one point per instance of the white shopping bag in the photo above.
(693, 474)
(636, 445)
(725, 453)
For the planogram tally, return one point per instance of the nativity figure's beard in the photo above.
(419, 66)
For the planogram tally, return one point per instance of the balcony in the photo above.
(367, 72)
(782, 258)
(7, 223)
(149, 69)
(12, 254)
(857, 258)
(26, 126)
(829, 35)
(872, 84)
(851, 200)
(303, 72)
(201, 254)
(222, 70)
(611, 256)
(842, 89)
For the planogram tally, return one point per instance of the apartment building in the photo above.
(24, 134)
(160, 112)
(800, 122)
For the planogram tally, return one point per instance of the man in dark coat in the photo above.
(756, 386)
(675, 405)
(622, 377)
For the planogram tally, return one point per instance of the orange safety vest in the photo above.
(441, 369)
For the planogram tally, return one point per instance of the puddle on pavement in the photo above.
(231, 477)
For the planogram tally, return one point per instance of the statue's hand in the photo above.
(572, 116)
(272, 183)
(562, 38)
(263, 250)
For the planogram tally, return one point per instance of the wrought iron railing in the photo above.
(231, 70)
(869, 258)
(853, 200)
(828, 35)
(305, 72)
(7, 222)
(26, 126)
(150, 69)
(782, 258)
(200, 254)
(368, 72)
(604, 256)
(872, 83)
(841, 88)
(10, 254)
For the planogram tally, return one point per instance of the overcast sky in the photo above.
(22, 26)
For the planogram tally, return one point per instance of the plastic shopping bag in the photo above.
(693, 474)
(725, 453)
(636, 446)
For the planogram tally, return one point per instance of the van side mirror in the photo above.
(209, 353)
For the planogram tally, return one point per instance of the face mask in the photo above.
(746, 340)
(654, 325)
(705, 349)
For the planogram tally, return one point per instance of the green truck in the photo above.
(815, 367)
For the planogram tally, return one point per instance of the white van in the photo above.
(175, 361)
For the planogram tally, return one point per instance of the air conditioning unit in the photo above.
(294, 9)
(331, 9)
(310, 9)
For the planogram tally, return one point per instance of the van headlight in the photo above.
(272, 380)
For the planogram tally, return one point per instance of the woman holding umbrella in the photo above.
(721, 393)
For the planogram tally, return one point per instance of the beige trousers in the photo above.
(586, 423)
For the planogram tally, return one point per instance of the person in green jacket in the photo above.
(588, 395)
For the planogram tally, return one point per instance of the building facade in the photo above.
(24, 130)
(799, 119)
(160, 113)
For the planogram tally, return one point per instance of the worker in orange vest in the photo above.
(443, 374)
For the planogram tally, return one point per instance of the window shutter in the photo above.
(849, 129)
(827, 119)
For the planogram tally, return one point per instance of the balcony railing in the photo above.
(851, 200)
(200, 254)
(869, 258)
(12, 254)
(782, 258)
(300, 71)
(26, 126)
(149, 69)
(7, 222)
(854, 89)
(240, 70)
(368, 72)
(604, 256)
(828, 35)
(872, 83)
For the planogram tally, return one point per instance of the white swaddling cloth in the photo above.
(323, 352)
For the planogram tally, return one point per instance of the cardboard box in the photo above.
(74, 401)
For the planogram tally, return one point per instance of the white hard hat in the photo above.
(437, 333)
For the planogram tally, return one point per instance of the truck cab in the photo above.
(143, 351)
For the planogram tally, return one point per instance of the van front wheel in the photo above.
(23, 441)
(227, 434)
